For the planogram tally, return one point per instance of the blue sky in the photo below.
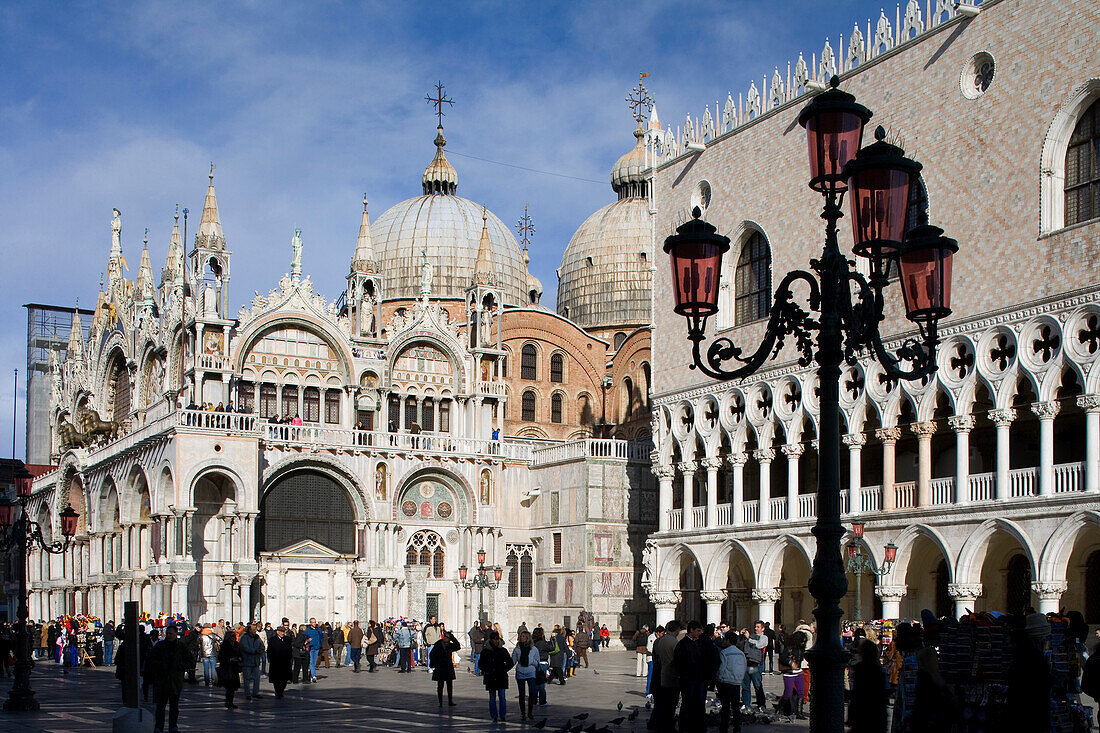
(306, 106)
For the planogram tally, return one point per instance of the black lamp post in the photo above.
(480, 581)
(19, 534)
(848, 307)
(860, 564)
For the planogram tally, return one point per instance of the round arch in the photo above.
(454, 481)
(263, 326)
(306, 502)
(1052, 161)
(328, 466)
(771, 565)
(968, 567)
(905, 543)
(210, 466)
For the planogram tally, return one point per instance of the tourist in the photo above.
(317, 643)
(581, 641)
(731, 672)
(666, 691)
(211, 643)
(792, 650)
(604, 636)
(430, 634)
(558, 655)
(108, 643)
(280, 653)
(652, 667)
(544, 647)
(229, 668)
(640, 639)
(495, 664)
(526, 659)
(336, 641)
(374, 643)
(404, 639)
(867, 710)
(355, 644)
(477, 643)
(167, 662)
(252, 651)
(301, 656)
(754, 646)
(692, 676)
(442, 663)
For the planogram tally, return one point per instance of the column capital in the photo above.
(962, 423)
(662, 471)
(891, 592)
(888, 436)
(737, 459)
(764, 455)
(853, 440)
(687, 467)
(1045, 410)
(766, 595)
(793, 450)
(1002, 418)
(713, 596)
(964, 591)
(712, 464)
(923, 429)
(1089, 402)
(664, 597)
(1049, 591)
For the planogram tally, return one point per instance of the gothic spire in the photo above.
(364, 249)
(173, 263)
(210, 234)
(75, 349)
(483, 268)
(143, 285)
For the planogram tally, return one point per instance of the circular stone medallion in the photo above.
(408, 508)
(444, 510)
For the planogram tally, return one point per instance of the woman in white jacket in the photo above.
(731, 671)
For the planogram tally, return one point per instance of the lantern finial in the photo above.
(834, 81)
(880, 133)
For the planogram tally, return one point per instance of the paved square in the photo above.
(85, 700)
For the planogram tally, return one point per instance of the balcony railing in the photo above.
(870, 499)
(983, 486)
(698, 517)
(807, 506)
(777, 509)
(1067, 477)
(750, 512)
(942, 490)
(724, 515)
(676, 519)
(905, 494)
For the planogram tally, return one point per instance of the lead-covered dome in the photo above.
(447, 227)
(605, 278)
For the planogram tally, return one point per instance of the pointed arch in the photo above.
(1056, 552)
(717, 570)
(771, 564)
(905, 542)
(968, 566)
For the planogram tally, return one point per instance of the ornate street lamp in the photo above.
(480, 581)
(860, 564)
(841, 323)
(18, 533)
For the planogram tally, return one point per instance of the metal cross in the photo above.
(525, 228)
(639, 100)
(439, 100)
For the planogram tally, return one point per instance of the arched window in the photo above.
(428, 421)
(332, 406)
(311, 404)
(306, 504)
(513, 573)
(620, 339)
(557, 368)
(527, 408)
(119, 389)
(555, 408)
(528, 368)
(1083, 168)
(519, 568)
(753, 281)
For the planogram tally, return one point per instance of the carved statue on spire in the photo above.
(296, 257)
(426, 275)
(116, 231)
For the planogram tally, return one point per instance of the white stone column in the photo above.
(665, 603)
(1046, 412)
(764, 456)
(889, 438)
(1003, 420)
(891, 596)
(793, 451)
(712, 465)
(855, 442)
(714, 600)
(965, 595)
(1050, 595)
(962, 425)
(687, 470)
(1090, 403)
(125, 564)
(766, 598)
(737, 494)
(924, 432)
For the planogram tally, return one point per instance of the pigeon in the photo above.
(620, 706)
(541, 723)
(595, 671)
(617, 721)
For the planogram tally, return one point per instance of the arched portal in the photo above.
(211, 546)
(306, 504)
(925, 576)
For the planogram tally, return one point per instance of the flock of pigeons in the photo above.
(576, 723)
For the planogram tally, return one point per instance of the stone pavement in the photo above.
(85, 700)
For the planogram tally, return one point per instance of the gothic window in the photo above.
(527, 573)
(426, 548)
(269, 402)
(520, 571)
(528, 367)
(410, 411)
(555, 408)
(428, 422)
(311, 404)
(332, 406)
(513, 574)
(753, 281)
(445, 416)
(1083, 168)
(527, 408)
(503, 367)
(557, 368)
(119, 389)
(290, 400)
(306, 505)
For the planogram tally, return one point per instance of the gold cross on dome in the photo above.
(525, 228)
(639, 100)
(439, 100)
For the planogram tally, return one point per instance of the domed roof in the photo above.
(605, 276)
(629, 171)
(448, 228)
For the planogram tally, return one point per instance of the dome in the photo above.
(628, 176)
(448, 228)
(605, 276)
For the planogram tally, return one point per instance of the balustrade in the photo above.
(698, 517)
(750, 512)
(943, 489)
(676, 519)
(807, 506)
(905, 494)
(983, 486)
(724, 515)
(870, 499)
(1068, 477)
(777, 509)
(1023, 482)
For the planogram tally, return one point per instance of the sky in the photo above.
(303, 107)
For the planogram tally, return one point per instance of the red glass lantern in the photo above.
(834, 124)
(696, 251)
(23, 481)
(924, 266)
(857, 530)
(462, 571)
(891, 552)
(69, 519)
(878, 183)
(853, 551)
(7, 509)
(481, 557)
(498, 571)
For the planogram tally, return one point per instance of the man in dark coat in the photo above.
(441, 662)
(691, 670)
(301, 656)
(355, 643)
(477, 644)
(280, 655)
(167, 662)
